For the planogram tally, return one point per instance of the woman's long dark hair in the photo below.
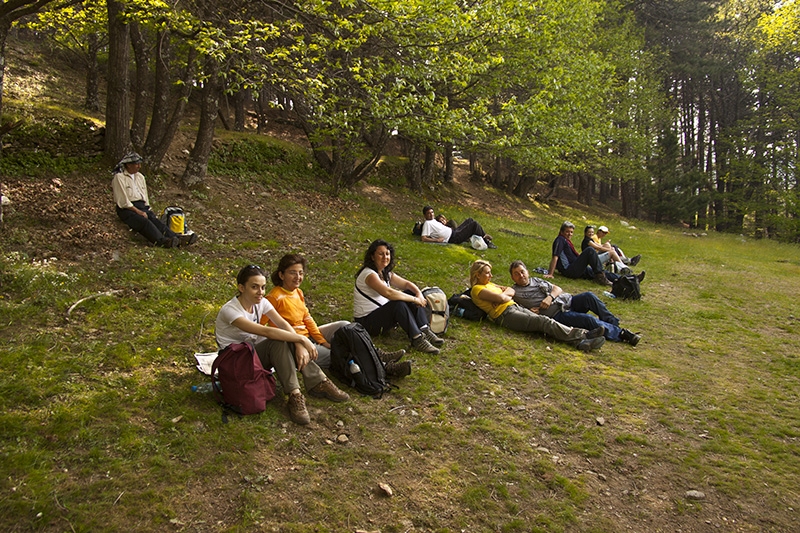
(285, 262)
(248, 272)
(370, 263)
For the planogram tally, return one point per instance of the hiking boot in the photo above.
(167, 242)
(390, 357)
(297, 409)
(187, 238)
(601, 279)
(641, 276)
(630, 337)
(599, 331)
(431, 337)
(588, 345)
(328, 390)
(398, 370)
(633, 261)
(421, 344)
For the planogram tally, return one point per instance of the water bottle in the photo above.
(606, 293)
(353, 366)
(205, 387)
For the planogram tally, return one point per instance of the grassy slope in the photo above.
(500, 433)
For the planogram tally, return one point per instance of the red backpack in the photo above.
(246, 386)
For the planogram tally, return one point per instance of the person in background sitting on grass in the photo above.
(382, 299)
(545, 298)
(287, 298)
(443, 220)
(571, 265)
(435, 231)
(498, 302)
(133, 205)
(602, 231)
(244, 318)
(606, 254)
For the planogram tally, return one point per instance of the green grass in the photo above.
(100, 431)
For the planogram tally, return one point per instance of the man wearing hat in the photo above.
(435, 231)
(133, 205)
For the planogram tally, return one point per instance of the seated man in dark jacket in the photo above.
(572, 265)
(545, 298)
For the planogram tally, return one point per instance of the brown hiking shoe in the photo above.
(587, 345)
(398, 370)
(431, 337)
(328, 390)
(601, 279)
(297, 409)
(421, 344)
(390, 357)
(187, 238)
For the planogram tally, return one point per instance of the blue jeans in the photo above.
(577, 316)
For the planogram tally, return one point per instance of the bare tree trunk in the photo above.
(428, 166)
(241, 98)
(197, 166)
(449, 168)
(141, 92)
(414, 170)
(156, 155)
(162, 93)
(262, 107)
(92, 99)
(5, 27)
(474, 167)
(628, 199)
(118, 134)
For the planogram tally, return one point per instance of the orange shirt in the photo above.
(291, 305)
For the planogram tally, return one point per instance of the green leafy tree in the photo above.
(81, 30)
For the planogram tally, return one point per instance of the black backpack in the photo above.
(417, 230)
(627, 288)
(461, 305)
(352, 345)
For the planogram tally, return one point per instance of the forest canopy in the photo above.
(671, 110)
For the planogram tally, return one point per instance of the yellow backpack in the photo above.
(175, 219)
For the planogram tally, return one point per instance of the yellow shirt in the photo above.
(291, 305)
(492, 309)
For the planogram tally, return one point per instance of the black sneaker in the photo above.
(630, 337)
(641, 276)
(635, 260)
(398, 370)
